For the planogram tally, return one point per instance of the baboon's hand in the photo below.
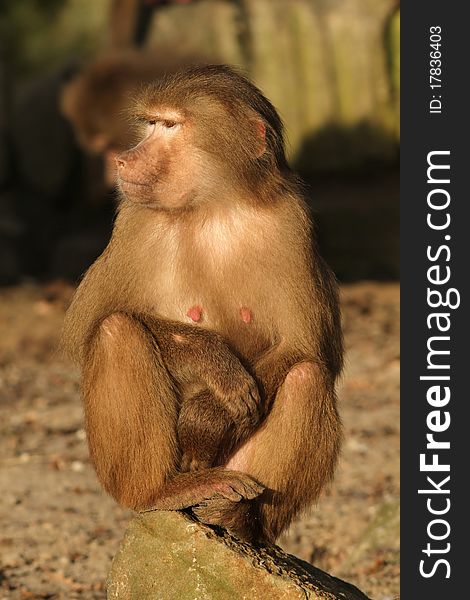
(189, 489)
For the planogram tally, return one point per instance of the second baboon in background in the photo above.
(95, 101)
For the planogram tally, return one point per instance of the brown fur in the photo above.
(210, 217)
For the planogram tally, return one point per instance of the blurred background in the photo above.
(67, 69)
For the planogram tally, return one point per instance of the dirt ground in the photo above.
(59, 531)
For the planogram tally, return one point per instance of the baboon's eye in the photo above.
(169, 124)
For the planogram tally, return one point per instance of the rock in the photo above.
(170, 556)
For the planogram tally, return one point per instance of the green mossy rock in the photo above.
(168, 556)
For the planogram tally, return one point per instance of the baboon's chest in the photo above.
(218, 278)
(227, 301)
(235, 314)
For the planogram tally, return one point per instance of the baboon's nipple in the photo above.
(195, 313)
(246, 315)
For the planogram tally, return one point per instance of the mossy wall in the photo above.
(39, 35)
(331, 67)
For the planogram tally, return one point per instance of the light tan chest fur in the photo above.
(225, 265)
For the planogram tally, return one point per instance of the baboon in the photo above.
(208, 331)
